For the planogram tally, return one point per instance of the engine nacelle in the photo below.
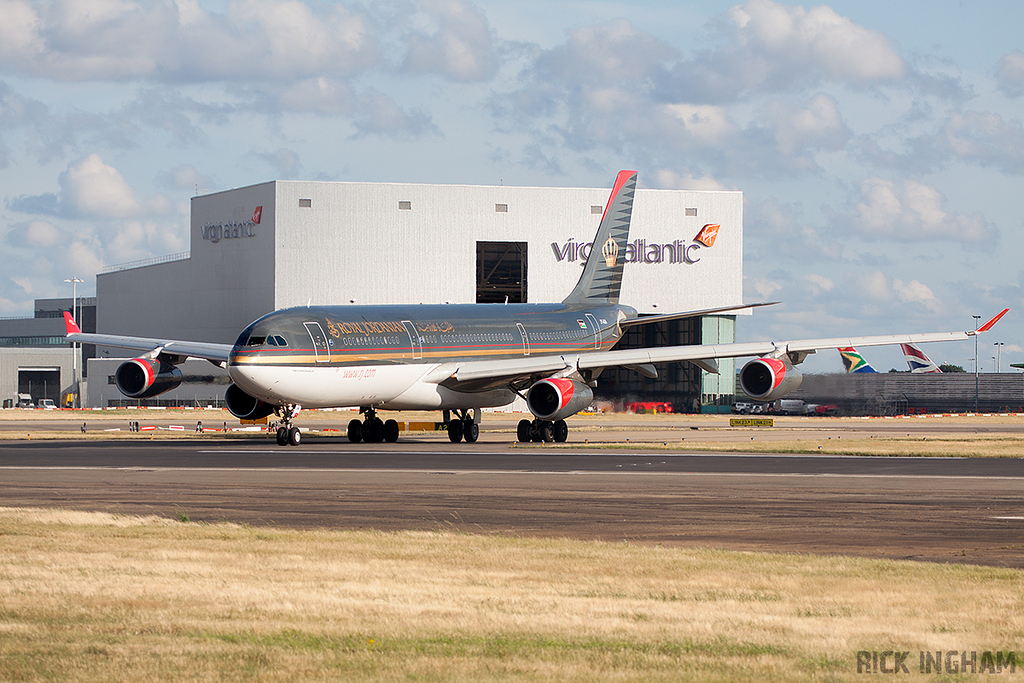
(767, 379)
(557, 399)
(146, 377)
(245, 407)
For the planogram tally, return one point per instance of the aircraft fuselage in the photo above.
(388, 356)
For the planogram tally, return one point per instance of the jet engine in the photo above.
(245, 407)
(767, 379)
(145, 377)
(557, 399)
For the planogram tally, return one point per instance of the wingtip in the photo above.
(988, 326)
(70, 325)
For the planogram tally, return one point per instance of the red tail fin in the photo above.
(70, 324)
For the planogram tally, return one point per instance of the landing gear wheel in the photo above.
(546, 432)
(286, 433)
(535, 432)
(373, 430)
(470, 431)
(391, 431)
(560, 431)
(523, 431)
(355, 431)
(455, 431)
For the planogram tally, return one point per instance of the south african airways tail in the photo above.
(853, 361)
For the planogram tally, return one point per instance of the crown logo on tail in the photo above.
(610, 251)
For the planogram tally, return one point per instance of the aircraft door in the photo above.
(591, 320)
(526, 340)
(414, 339)
(320, 347)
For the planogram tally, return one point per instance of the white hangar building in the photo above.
(288, 243)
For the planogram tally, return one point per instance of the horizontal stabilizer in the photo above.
(651, 319)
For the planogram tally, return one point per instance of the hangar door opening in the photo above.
(501, 272)
(40, 383)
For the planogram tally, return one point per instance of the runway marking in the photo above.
(601, 454)
(1008, 518)
(435, 470)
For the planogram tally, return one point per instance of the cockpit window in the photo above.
(256, 341)
(279, 340)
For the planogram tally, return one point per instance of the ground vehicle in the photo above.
(24, 401)
(46, 404)
(742, 408)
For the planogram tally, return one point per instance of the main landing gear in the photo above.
(372, 429)
(463, 426)
(287, 433)
(542, 430)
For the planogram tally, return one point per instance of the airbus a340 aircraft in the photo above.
(461, 358)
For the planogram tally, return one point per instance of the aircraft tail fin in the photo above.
(601, 281)
(853, 361)
(917, 361)
(70, 325)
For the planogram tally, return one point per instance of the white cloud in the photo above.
(91, 188)
(762, 288)
(670, 179)
(376, 113)
(705, 124)
(879, 289)
(790, 38)
(818, 125)
(462, 46)
(181, 41)
(818, 284)
(321, 94)
(285, 162)
(616, 87)
(771, 223)
(187, 177)
(1010, 74)
(984, 138)
(19, 30)
(911, 211)
(914, 292)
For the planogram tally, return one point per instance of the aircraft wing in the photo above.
(215, 353)
(703, 354)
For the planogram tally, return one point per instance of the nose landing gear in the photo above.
(287, 433)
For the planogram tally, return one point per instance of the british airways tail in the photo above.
(601, 280)
(917, 361)
(853, 361)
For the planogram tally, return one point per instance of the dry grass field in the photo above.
(94, 597)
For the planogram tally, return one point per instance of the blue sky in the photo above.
(879, 146)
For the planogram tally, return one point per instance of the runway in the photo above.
(934, 509)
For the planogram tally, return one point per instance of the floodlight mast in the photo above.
(74, 345)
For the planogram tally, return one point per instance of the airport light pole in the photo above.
(999, 353)
(74, 345)
(977, 320)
